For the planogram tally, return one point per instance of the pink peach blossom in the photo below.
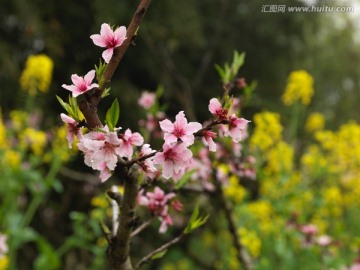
(180, 129)
(309, 229)
(216, 109)
(72, 129)
(3, 246)
(165, 221)
(147, 100)
(157, 202)
(105, 172)
(109, 39)
(101, 150)
(148, 164)
(81, 84)
(127, 141)
(173, 158)
(208, 140)
(324, 240)
(355, 265)
(236, 127)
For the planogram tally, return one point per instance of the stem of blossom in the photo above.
(118, 251)
(210, 126)
(242, 255)
(148, 257)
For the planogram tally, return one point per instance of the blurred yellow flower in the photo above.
(313, 161)
(37, 74)
(251, 241)
(263, 213)
(268, 130)
(4, 263)
(3, 141)
(280, 158)
(100, 202)
(234, 190)
(332, 195)
(19, 119)
(299, 88)
(315, 122)
(11, 158)
(37, 140)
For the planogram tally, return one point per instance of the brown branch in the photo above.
(120, 51)
(119, 248)
(148, 257)
(88, 106)
(242, 254)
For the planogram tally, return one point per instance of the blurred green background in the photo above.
(178, 44)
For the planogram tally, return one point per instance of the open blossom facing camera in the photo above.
(180, 129)
(72, 129)
(173, 159)
(101, 151)
(127, 141)
(81, 84)
(109, 39)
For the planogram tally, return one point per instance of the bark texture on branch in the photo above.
(88, 106)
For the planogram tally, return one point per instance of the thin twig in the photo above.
(142, 227)
(148, 257)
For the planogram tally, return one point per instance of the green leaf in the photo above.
(221, 71)
(238, 61)
(159, 255)
(65, 105)
(229, 100)
(71, 108)
(57, 186)
(106, 92)
(229, 72)
(159, 91)
(112, 115)
(76, 113)
(195, 221)
(99, 70)
(48, 258)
